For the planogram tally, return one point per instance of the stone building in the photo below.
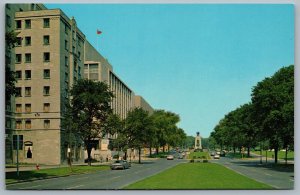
(50, 55)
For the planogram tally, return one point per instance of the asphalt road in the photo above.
(108, 179)
(252, 169)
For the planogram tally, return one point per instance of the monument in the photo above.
(198, 142)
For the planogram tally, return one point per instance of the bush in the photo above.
(116, 156)
(192, 160)
(205, 161)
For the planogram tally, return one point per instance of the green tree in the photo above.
(138, 127)
(273, 101)
(10, 80)
(89, 111)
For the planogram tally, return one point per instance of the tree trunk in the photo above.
(150, 151)
(139, 155)
(163, 149)
(286, 152)
(234, 150)
(89, 151)
(276, 154)
(125, 153)
(248, 152)
(157, 151)
(168, 147)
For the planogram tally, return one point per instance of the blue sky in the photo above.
(197, 60)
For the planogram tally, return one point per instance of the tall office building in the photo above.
(47, 59)
(50, 55)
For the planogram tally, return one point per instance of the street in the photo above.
(108, 179)
(252, 169)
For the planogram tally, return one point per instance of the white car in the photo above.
(216, 156)
(170, 157)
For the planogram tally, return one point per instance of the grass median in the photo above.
(198, 176)
(11, 177)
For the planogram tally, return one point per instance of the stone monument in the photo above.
(198, 141)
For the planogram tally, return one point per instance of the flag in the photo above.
(98, 32)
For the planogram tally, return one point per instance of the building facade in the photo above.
(50, 55)
(47, 60)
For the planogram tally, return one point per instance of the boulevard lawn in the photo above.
(11, 177)
(195, 155)
(281, 154)
(198, 176)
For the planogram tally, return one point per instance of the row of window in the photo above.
(46, 91)
(46, 22)
(46, 108)
(18, 74)
(19, 124)
(46, 57)
(27, 40)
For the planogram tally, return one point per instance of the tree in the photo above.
(273, 101)
(89, 112)
(138, 127)
(10, 80)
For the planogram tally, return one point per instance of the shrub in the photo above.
(192, 160)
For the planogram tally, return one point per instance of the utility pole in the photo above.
(18, 156)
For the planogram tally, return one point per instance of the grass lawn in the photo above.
(199, 155)
(281, 154)
(198, 176)
(43, 173)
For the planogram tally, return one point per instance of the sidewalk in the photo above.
(33, 167)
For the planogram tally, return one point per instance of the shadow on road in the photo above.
(271, 166)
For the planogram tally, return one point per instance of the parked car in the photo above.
(216, 156)
(170, 157)
(119, 164)
(129, 164)
(222, 153)
(212, 153)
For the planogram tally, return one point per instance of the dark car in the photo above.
(222, 153)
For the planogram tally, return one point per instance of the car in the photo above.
(212, 153)
(170, 157)
(216, 156)
(129, 164)
(119, 164)
(180, 156)
(222, 153)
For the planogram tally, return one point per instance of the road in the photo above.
(252, 169)
(108, 179)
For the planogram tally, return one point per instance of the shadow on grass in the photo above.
(26, 175)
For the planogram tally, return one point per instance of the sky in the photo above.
(200, 61)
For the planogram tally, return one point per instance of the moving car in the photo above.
(119, 164)
(170, 157)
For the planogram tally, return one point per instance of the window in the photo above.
(18, 92)
(18, 124)
(27, 41)
(19, 42)
(46, 40)
(28, 124)
(18, 24)
(28, 91)
(32, 7)
(66, 45)
(46, 124)
(66, 61)
(46, 90)
(28, 74)
(15, 142)
(27, 23)
(46, 22)
(27, 57)
(18, 74)
(46, 74)
(18, 108)
(79, 55)
(46, 107)
(18, 58)
(73, 49)
(66, 29)
(46, 57)
(27, 108)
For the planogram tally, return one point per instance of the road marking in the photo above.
(29, 187)
(82, 178)
(115, 177)
(268, 174)
(74, 187)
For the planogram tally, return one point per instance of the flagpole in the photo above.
(97, 42)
